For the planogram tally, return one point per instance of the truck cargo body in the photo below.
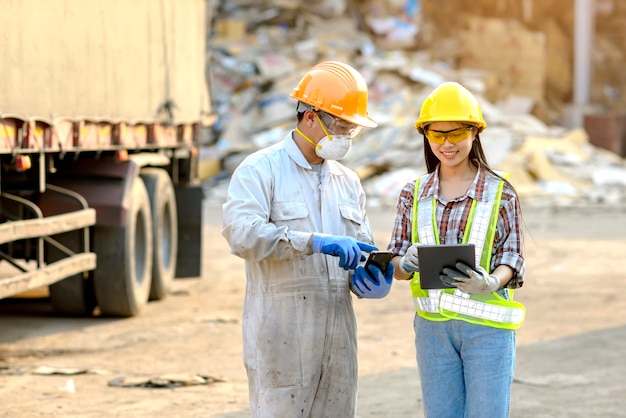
(102, 105)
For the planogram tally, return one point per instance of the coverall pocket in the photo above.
(352, 220)
(292, 214)
(279, 346)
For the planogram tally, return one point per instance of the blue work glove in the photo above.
(372, 284)
(346, 248)
(470, 281)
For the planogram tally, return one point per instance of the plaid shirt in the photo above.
(452, 219)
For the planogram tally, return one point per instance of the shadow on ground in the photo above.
(579, 376)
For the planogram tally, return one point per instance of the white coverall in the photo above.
(299, 328)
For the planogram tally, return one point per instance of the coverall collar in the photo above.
(296, 155)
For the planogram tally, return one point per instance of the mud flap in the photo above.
(189, 202)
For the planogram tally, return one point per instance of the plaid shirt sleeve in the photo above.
(401, 233)
(509, 240)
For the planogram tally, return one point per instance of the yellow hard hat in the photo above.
(450, 102)
(338, 89)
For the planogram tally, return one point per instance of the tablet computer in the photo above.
(433, 258)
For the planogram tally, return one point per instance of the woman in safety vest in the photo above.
(464, 334)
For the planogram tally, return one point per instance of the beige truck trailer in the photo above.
(102, 106)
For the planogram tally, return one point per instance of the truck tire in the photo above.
(73, 296)
(164, 230)
(122, 277)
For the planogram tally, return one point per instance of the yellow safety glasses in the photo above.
(454, 136)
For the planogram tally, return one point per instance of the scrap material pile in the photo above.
(516, 60)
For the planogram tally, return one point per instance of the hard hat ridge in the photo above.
(338, 89)
(450, 102)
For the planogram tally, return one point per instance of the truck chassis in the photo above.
(105, 213)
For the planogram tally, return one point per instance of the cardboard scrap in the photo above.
(515, 54)
(520, 80)
(65, 371)
(172, 380)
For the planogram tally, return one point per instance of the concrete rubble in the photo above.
(259, 51)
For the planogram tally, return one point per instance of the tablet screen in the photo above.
(433, 258)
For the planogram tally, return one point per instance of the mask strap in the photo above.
(330, 138)
(307, 138)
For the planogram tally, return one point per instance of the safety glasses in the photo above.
(454, 136)
(338, 126)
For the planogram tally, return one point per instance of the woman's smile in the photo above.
(449, 154)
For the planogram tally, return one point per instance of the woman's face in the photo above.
(456, 144)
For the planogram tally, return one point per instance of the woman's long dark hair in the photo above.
(476, 155)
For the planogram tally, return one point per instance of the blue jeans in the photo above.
(466, 370)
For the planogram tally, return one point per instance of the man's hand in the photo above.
(372, 284)
(470, 281)
(346, 248)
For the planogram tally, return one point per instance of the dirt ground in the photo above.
(574, 256)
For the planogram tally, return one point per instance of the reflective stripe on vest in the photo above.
(445, 304)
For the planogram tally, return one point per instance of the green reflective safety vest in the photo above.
(493, 310)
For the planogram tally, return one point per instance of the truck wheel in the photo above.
(122, 277)
(74, 295)
(164, 230)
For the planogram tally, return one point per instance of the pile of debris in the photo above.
(259, 52)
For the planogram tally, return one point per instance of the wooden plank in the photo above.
(47, 275)
(51, 225)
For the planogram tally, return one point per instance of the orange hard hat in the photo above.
(338, 89)
(450, 102)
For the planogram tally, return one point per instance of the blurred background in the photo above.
(549, 77)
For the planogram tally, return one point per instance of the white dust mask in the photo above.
(333, 147)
